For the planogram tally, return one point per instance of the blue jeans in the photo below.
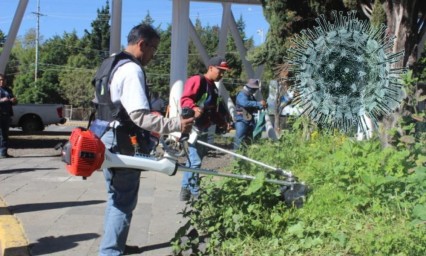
(243, 133)
(4, 133)
(122, 186)
(196, 153)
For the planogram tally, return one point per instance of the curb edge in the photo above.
(12, 236)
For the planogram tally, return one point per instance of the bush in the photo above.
(364, 200)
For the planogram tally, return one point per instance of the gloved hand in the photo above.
(230, 126)
(198, 112)
(186, 122)
(186, 125)
(264, 104)
(225, 128)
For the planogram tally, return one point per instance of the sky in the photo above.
(59, 16)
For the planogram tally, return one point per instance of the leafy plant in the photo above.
(361, 194)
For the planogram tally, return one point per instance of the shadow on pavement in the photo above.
(13, 251)
(22, 170)
(54, 154)
(51, 244)
(47, 206)
(39, 142)
(43, 133)
(154, 247)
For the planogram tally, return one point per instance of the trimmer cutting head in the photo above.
(294, 195)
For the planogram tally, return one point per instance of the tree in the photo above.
(405, 20)
(287, 18)
(2, 38)
(209, 37)
(98, 38)
(148, 19)
(11, 66)
(75, 81)
(55, 53)
(67, 62)
(158, 69)
(23, 83)
(236, 76)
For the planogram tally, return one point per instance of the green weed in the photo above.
(364, 200)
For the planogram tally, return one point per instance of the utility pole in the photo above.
(38, 14)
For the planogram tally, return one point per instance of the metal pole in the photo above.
(37, 41)
(11, 36)
(231, 175)
(115, 37)
(38, 14)
(179, 52)
(289, 174)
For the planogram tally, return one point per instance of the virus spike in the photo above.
(395, 57)
(343, 72)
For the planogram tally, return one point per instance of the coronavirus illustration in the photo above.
(344, 72)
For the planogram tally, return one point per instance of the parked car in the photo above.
(35, 117)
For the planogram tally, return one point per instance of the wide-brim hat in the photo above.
(219, 62)
(253, 83)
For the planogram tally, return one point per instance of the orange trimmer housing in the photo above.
(84, 153)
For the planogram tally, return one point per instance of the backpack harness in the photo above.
(128, 134)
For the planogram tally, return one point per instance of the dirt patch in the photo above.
(217, 160)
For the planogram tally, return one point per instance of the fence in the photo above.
(80, 114)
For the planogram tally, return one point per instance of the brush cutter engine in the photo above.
(84, 153)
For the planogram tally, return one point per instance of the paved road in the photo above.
(63, 215)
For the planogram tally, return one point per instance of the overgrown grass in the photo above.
(364, 200)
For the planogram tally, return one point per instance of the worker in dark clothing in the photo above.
(7, 100)
(246, 107)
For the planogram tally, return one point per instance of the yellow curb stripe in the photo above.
(12, 236)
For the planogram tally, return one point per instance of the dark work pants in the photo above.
(243, 133)
(4, 133)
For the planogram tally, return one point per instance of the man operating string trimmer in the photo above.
(127, 112)
(201, 95)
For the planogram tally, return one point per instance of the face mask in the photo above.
(252, 91)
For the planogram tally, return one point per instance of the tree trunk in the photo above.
(405, 21)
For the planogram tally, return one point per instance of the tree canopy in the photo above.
(68, 62)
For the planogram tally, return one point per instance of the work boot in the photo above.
(185, 194)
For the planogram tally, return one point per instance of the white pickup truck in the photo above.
(35, 117)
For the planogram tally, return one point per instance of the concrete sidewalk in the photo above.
(63, 215)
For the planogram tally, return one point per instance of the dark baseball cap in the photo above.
(219, 62)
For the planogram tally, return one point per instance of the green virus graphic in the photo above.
(344, 73)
